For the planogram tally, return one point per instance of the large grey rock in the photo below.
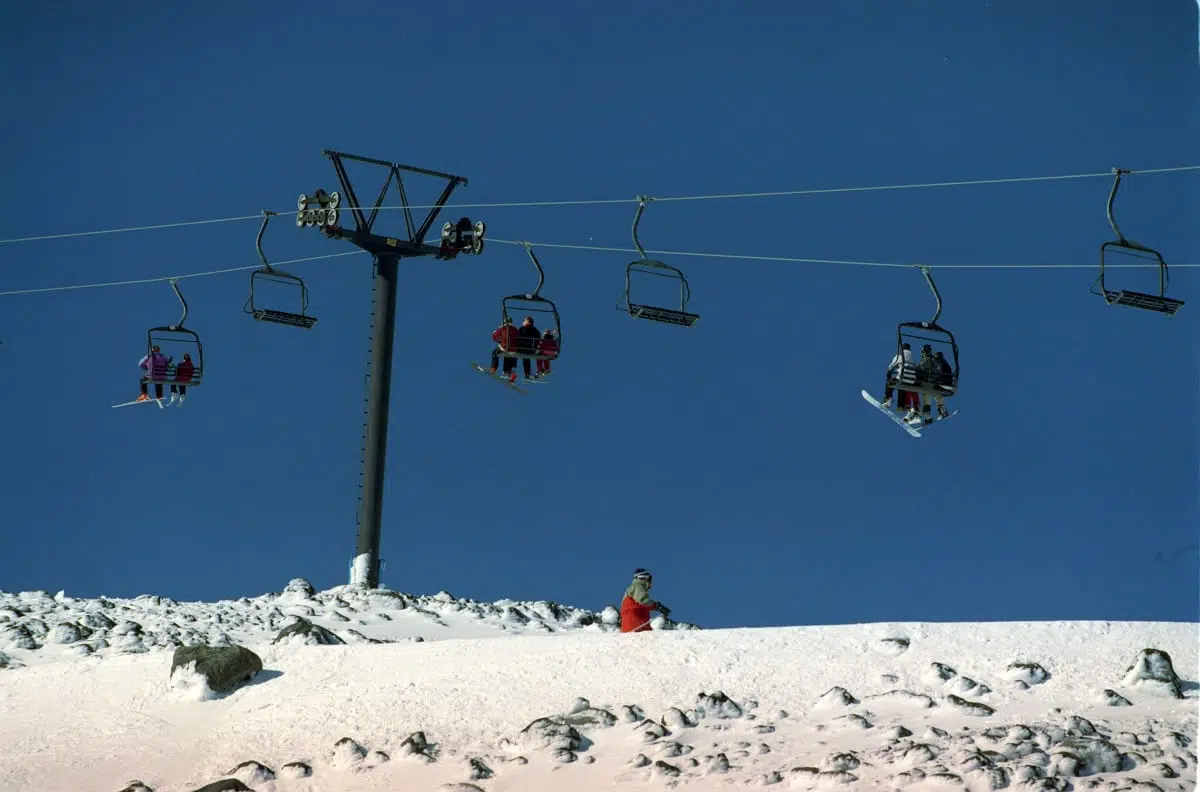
(302, 631)
(224, 667)
(225, 785)
(1153, 668)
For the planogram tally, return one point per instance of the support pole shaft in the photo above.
(365, 572)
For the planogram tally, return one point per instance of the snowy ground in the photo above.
(536, 697)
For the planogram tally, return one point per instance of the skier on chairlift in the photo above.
(155, 364)
(548, 346)
(506, 338)
(183, 375)
(528, 338)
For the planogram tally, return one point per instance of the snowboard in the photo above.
(896, 419)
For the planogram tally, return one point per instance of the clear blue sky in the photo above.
(736, 460)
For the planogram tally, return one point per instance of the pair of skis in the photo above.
(159, 402)
(504, 378)
(911, 428)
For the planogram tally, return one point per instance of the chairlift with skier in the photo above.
(538, 338)
(174, 356)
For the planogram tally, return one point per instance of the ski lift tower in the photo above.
(386, 250)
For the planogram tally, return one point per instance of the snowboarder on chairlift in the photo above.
(505, 337)
(155, 364)
(548, 346)
(183, 375)
(637, 605)
(908, 399)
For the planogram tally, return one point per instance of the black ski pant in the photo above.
(509, 363)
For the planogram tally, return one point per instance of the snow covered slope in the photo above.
(61, 626)
(537, 696)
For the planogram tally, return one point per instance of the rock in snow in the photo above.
(223, 667)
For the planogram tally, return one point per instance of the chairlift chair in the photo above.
(909, 377)
(1124, 248)
(680, 317)
(174, 336)
(273, 275)
(532, 303)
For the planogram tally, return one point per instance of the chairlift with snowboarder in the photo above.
(926, 377)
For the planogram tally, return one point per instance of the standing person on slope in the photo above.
(636, 606)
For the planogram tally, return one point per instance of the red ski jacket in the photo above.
(505, 336)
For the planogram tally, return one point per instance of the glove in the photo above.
(663, 609)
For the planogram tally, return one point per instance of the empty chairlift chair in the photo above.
(1122, 248)
(680, 316)
(269, 274)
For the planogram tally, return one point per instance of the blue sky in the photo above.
(736, 460)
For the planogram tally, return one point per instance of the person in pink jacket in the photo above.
(156, 365)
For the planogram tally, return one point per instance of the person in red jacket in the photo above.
(505, 337)
(636, 606)
(548, 346)
(183, 375)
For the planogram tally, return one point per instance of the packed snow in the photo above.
(351, 689)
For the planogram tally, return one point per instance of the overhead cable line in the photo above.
(836, 262)
(602, 201)
(165, 278)
(602, 249)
